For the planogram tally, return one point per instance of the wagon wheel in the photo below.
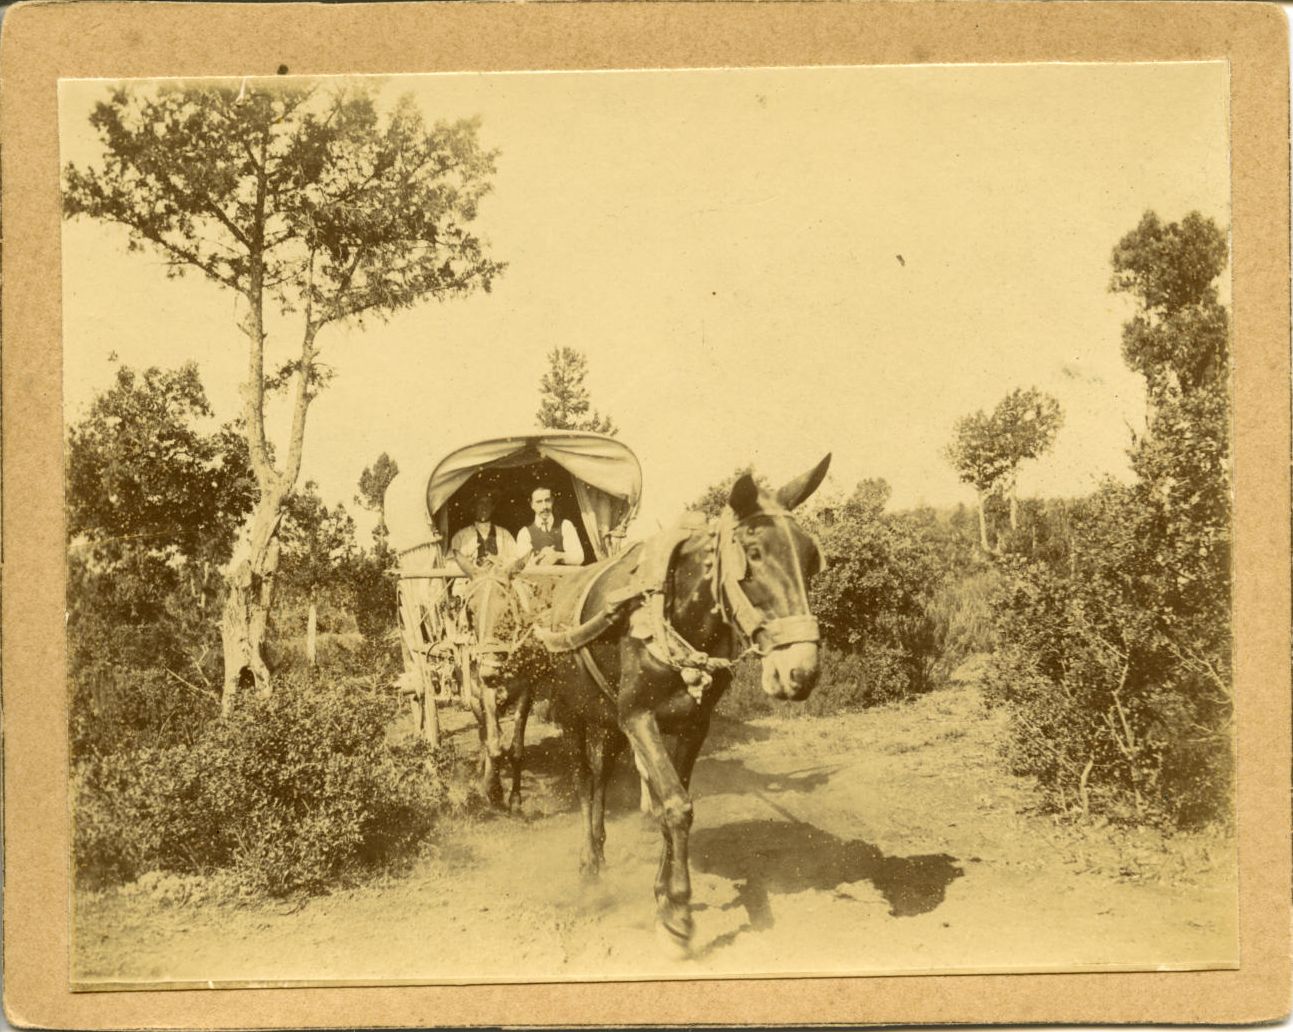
(419, 621)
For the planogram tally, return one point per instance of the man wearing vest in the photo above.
(547, 540)
(482, 543)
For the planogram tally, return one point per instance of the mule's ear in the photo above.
(744, 498)
(793, 493)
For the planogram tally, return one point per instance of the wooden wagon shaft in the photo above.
(451, 573)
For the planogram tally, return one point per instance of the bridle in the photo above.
(730, 568)
(726, 567)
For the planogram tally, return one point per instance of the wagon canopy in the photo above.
(595, 479)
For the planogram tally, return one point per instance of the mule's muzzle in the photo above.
(790, 671)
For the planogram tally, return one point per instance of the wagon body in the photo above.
(597, 484)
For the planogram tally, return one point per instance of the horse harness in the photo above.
(727, 567)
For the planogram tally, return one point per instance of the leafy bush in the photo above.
(293, 792)
(154, 494)
(962, 611)
(1113, 710)
(352, 589)
(143, 651)
(870, 676)
(874, 598)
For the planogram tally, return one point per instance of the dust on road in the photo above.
(887, 841)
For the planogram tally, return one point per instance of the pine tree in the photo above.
(563, 398)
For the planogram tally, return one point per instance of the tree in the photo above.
(376, 598)
(141, 472)
(1027, 422)
(987, 450)
(563, 398)
(1116, 651)
(154, 493)
(318, 542)
(874, 595)
(299, 201)
(1178, 339)
(373, 482)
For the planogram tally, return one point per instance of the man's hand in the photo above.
(548, 555)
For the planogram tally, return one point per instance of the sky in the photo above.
(761, 265)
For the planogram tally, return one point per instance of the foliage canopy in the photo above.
(306, 199)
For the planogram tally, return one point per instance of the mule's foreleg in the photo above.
(517, 749)
(577, 741)
(601, 758)
(645, 804)
(687, 748)
(674, 909)
(491, 786)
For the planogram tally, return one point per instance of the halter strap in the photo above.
(730, 565)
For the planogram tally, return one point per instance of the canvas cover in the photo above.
(605, 473)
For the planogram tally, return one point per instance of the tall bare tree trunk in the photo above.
(1014, 510)
(311, 635)
(250, 577)
(983, 521)
(254, 564)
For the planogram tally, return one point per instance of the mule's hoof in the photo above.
(589, 871)
(676, 943)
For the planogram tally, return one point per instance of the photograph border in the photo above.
(43, 42)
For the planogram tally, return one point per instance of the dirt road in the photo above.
(878, 842)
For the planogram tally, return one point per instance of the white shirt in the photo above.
(574, 551)
(465, 543)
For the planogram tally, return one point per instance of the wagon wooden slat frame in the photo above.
(597, 483)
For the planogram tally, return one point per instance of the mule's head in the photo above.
(768, 561)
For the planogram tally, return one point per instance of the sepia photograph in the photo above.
(673, 523)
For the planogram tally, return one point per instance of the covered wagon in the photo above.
(596, 484)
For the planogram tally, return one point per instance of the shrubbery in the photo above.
(1111, 710)
(1115, 657)
(153, 495)
(292, 792)
(876, 599)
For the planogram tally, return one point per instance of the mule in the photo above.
(498, 618)
(741, 583)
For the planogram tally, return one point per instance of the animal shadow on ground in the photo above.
(721, 776)
(767, 857)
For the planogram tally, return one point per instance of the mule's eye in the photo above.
(754, 553)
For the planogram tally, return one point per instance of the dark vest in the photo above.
(486, 546)
(540, 539)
